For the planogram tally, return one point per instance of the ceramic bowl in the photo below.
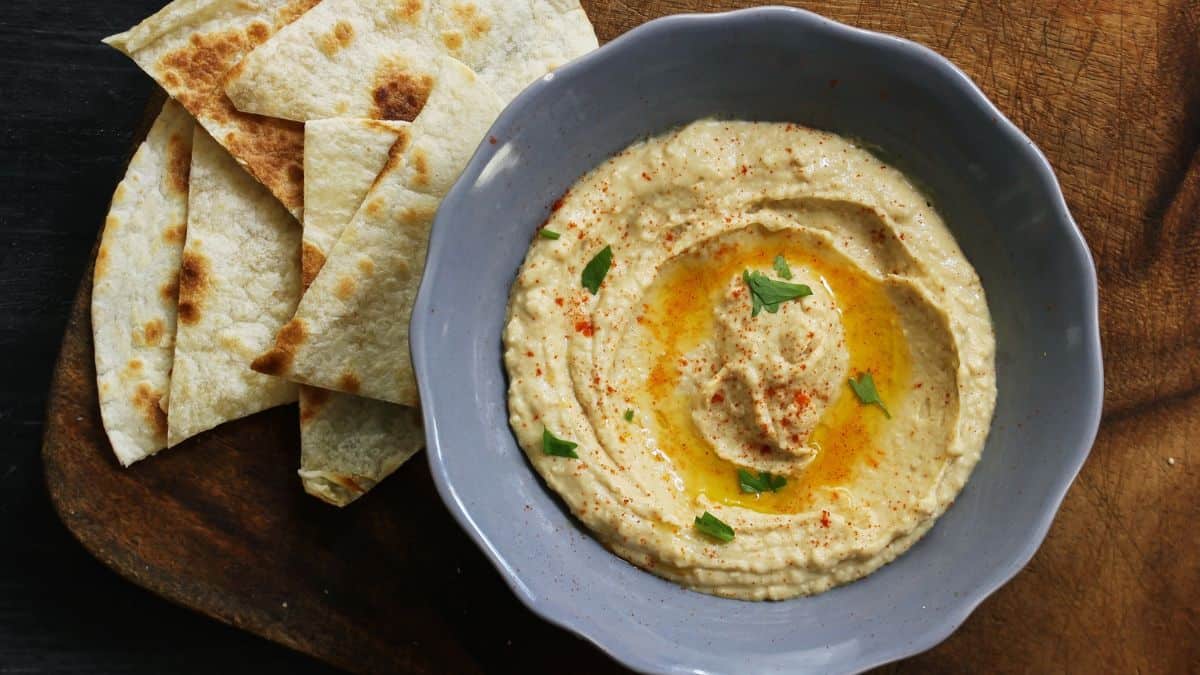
(997, 193)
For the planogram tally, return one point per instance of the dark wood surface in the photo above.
(1109, 89)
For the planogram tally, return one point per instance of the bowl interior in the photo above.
(915, 111)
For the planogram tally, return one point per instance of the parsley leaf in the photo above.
(763, 482)
(864, 389)
(713, 527)
(552, 445)
(548, 234)
(767, 293)
(597, 269)
(781, 267)
(628, 415)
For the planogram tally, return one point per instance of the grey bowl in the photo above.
(996, 191)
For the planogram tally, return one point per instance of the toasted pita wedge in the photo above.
(135, 286)
(239, 281)
(188, 47)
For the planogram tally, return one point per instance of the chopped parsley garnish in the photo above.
(713, 527)
(781, 267)
(628, 415)
(548, 234)
(763, 482)
(767, 293)
(552, 445)
(864, 389)
(597, 269)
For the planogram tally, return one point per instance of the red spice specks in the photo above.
(539, 372)
(718, 398)
(744, 169)
(801, 399)
(558, 301)
(825, 519)
(559, 202)
(645, 175)
(529, 353)
(492, 140)
(585, 327)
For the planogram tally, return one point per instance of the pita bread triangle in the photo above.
(239, 281)
(135, 284)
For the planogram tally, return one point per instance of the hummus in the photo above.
(731, 432)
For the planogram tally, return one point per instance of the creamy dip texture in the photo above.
(751, 358)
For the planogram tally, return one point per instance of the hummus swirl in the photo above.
(673, 384)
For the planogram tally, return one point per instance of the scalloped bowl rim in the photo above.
(971, 94)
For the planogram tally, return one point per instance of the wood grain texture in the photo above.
(1109, 90)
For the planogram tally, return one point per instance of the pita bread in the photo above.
(361, 58)
(135, 285)
(348, 443)
(342, 157)
(350, 332)
(239, 281)
(189, 45)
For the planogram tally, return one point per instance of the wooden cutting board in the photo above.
(1109, 89)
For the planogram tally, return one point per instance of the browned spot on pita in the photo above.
(146, 400)
(374, 206)
(398, 94)
(408, 10)
(415, 216)
(271, 149)
(345, 288)
(279, 360)
(101, 262)
(395, 158)
(258, 32)
(175, 233)
(153, 331)
(366, 266)
(120, 193)
(134, 365)
(349, 382)
(179, 163)
(311, 262)
(475, 24)
(337, 39)
(312, 399)
(420, 164)
(452, 39)
(194, 282)
(170, 290)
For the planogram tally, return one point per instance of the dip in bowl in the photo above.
(750, 357)
(918, 115)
